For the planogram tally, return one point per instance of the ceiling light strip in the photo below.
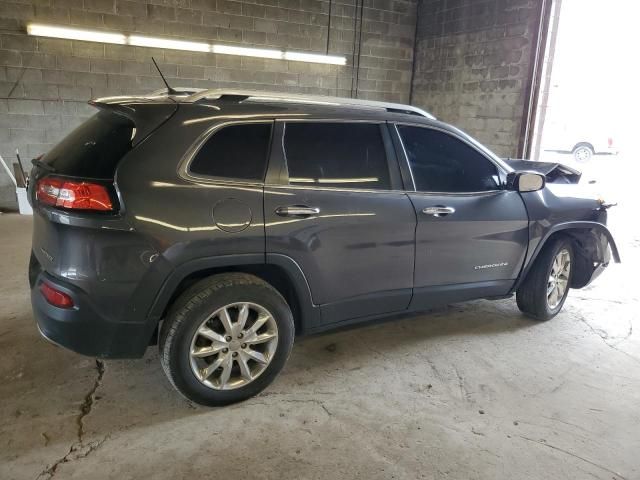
(53, 31)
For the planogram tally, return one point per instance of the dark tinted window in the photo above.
(94, 149)
(345, 155)
(236, 152)
(442, 163)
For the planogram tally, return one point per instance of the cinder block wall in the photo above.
(45, 83)
(473, 65)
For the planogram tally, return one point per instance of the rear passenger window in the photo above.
(344, 155)
(235, 152)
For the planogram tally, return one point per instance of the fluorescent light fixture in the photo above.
(333, 180)
(348, 180)
(314, 58)
(302, 180)
(75, 34)
(54, 31)
(247, 52)
(154, 42)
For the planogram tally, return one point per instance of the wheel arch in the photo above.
(590, 241)
(280, 271)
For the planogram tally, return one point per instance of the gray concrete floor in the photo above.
(475, 391)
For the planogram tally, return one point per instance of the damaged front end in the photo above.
(595, 248)
(566, 207)
(554, 172)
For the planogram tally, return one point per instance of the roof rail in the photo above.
(258, 96)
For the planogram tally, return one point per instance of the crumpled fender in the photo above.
(553, 172)
(596, 227)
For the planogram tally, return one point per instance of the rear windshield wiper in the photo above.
(45, 166)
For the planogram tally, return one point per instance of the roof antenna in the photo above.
(170, 90)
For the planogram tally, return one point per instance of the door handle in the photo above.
(297, 211)
(438, 211)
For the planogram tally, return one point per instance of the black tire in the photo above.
(532, 294)
(583, 152)
(197, 304)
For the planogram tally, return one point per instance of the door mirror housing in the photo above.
(525, 181)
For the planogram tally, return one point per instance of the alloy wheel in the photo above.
(558, 278)
(233, 346)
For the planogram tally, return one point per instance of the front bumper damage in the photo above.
(596, 249)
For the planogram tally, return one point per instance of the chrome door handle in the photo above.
(297, 211)
(438, 211)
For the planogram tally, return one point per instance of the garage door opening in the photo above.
(588, 99)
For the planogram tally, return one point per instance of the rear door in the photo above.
(472, 235)
(335, 205)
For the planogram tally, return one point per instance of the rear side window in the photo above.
(442, 163)
(235, 152)
(94, 149)
(344, 155)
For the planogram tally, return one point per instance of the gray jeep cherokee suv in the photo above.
(221, 224)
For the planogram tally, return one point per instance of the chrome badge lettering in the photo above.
(491, 265)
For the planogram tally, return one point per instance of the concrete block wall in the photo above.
(45, 83)
(473, 65)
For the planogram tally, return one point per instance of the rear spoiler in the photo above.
(147, 114)
(554, 172)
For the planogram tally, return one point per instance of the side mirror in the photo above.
(525, 181)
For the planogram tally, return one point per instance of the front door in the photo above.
(472, 235)
(339, 212)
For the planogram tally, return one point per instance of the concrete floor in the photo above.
(475, 391)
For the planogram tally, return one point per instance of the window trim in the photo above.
(184, 167)
(395, 179)
(499, 168)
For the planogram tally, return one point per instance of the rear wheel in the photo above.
(545, 289)
(226, 339)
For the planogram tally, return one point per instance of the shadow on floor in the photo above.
(136, 394)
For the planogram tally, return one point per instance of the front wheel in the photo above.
(546, 287)
(226, 339)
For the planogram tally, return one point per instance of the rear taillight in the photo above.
(610, 142)
(73, 194)
(55, 297)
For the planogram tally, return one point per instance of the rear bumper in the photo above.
(82, 329)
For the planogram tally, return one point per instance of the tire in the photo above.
(192, 339)
(583, 152)
(532, 296)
